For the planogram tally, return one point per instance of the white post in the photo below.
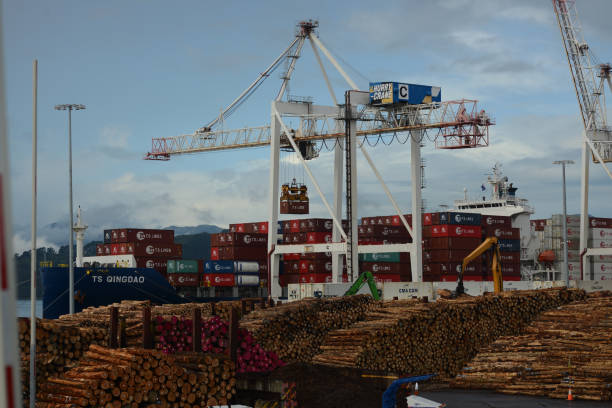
(10, 378)
(565, 268)
(71, 220)
(33, 251)
(584, 203)
(416, 256)
(79, 229)
(275, 288)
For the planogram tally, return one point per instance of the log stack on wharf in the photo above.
(294, 331)
(568, 346)
(411, 338)
(133, 377)
(58, 346)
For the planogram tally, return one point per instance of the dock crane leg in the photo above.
(273, 273)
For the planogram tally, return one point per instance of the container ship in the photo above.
(143, 264)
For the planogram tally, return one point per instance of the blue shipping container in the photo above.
(458, 218)
(388, 93)
(510, 245)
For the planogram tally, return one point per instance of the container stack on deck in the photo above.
(549, 233)
(311, 267)
(152, 248)
(388, 266)
(239, 257)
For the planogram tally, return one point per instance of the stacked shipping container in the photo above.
(387, 266)
(238, 257)
(152, 248)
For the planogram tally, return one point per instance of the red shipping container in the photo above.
(318, 237)
(238, 228)
(159, 264)
(431, 218)
(142, 235)
(316, 278)
(184, 279)
(498, 221)
(451, 230)
(384, 267)
(396, 220)
(452, 243)
(294, 226)
(445, 255)
(538, 225)
(307, 266)
(214, 254)
(162, 250)
(443, 268)
(510, 270)
(260, 227)
(291, 267)
(242, 239)
(316, 225)
(286, 279)
(466, 278)
(387, 277)
(474, 268)
(512, 278)
(600, 222)
(291, 257)
(100, 250)
(383, 231)
(217, 279)
(317, 256)
(510, 257)
(502, 232)
(243, 253)
(294, 238)
(214, 240)
(366, 220)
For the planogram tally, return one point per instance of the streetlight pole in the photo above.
(563, 163)
(70, 108)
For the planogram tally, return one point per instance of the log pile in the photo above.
(130, 312)
(412, 338)
(58, 346)
(176, 335)
(296, 330)
(134, 377)
(571, 345)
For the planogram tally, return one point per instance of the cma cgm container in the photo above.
(389, 93)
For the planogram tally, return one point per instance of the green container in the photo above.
(182, 266)
(380, 257)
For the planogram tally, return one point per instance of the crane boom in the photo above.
(585, 71)
(459, 124)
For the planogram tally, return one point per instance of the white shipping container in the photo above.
(604, 234)
(245, 267)
(573, 232)
(598, 243)
(603, 276)
(599, 267)
(247, 280)
(601, 258)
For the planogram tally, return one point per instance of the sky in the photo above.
(148, 69)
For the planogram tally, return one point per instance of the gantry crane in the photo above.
(589, 78)
(451, 124)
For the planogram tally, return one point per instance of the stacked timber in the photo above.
(294, 331)
(58, 346)
(571, 345)
(135, 377)
(176, 335)
(412, 338)
(130, 312)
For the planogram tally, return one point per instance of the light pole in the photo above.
(565, 270)
(70, 108)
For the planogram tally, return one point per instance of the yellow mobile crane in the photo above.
(487, 244)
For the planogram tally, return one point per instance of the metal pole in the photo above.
(584, 199)
(71, 242)
(10, 378)
(416, 256)
(565, 268)
(33, 251)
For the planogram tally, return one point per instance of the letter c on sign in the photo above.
(403, 91)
